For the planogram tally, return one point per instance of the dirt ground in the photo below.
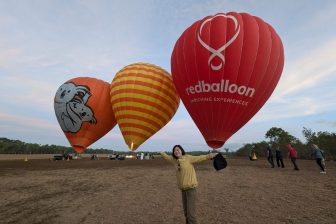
(145, 192)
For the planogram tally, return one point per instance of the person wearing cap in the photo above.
(292, 154)
(186, 178)
(318, 154)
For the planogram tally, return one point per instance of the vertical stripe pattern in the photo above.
(144, 100)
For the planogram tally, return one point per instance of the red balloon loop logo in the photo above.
(218, 52)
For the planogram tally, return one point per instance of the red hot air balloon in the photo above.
(83, 110)
(225, 67)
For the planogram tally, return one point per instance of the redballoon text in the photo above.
(223, 86)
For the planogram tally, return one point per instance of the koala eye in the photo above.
(69, 91)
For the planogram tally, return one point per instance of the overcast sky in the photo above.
(45, 43)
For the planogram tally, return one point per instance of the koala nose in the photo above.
(63, 94)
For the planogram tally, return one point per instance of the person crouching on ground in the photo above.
(186, 178)
(252, 153)
(318, 154)
(269, 155)
(292, 154)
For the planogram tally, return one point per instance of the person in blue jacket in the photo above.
(318, 154)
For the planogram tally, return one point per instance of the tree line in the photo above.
(275, 136)
(8, 146)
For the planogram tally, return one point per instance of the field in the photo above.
(144, 191)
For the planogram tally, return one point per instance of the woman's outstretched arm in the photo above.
(196, 159)
(167, 157)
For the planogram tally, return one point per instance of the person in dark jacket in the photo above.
(269, 155)
(318, 154)
(278, 156)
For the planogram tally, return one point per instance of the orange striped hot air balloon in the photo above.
(144, 99)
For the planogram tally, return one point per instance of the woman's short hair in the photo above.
(182, 150)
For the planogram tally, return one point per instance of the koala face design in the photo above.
(82, 111)
(69, 91)
(71, 108)
(65, 93)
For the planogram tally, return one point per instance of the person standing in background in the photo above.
(278, 156)
(292, 154)
(318, 154)
(269, 155)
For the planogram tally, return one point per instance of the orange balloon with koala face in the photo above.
(83, 110)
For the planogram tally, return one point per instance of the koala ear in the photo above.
(83, 88)
(93, 121)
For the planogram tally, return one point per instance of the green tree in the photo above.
(278, 136)
(309, 135)
(259, 147)
(281, 138)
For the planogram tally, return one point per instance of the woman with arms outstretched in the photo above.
(186, 178)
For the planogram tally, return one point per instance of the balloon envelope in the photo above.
(83, 110)
(144, 99)
(225, 67)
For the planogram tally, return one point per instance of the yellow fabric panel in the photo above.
(142, 131)
(144, 106)
(135, 139)
(118, 103)
(167, 85)
(117, 113)
(128, 120)
(126, 87)
(133, 73)
(139, 66)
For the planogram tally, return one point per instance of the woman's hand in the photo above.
(213, 154)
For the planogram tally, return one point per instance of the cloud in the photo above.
(22, 91)
(309, 71)
(9, 56)
(324, 18)
(305, 87)
(179, 129)
(28, 124)
(331, 123)
(291, 107)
